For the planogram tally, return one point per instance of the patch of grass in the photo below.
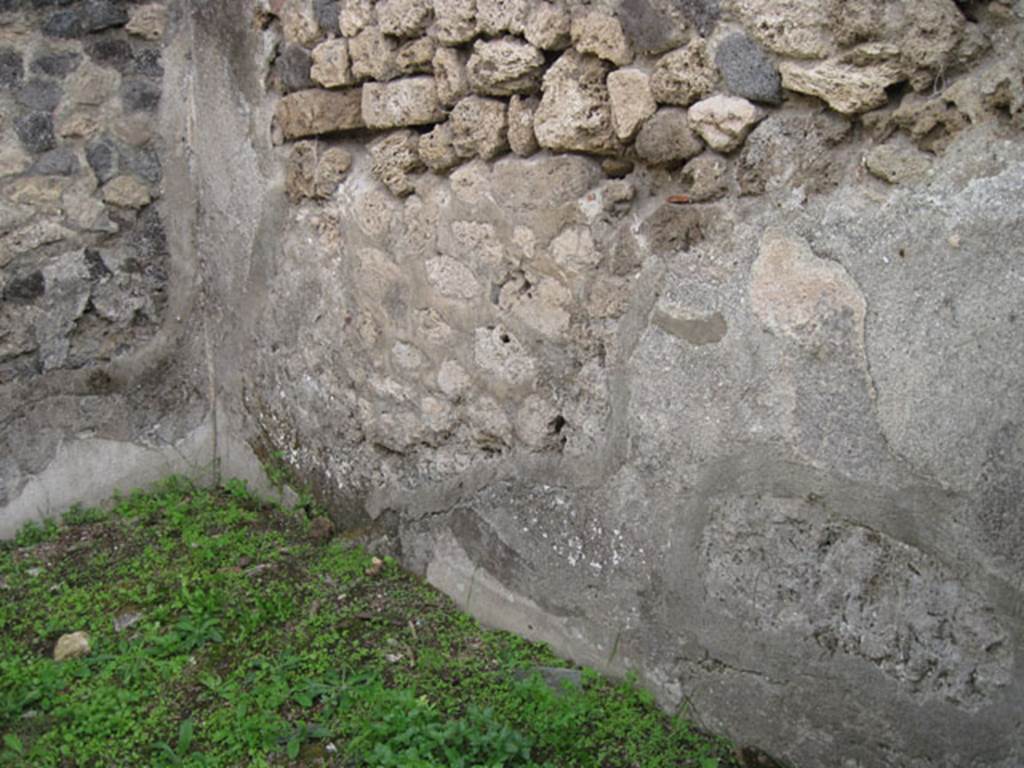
(223, 635)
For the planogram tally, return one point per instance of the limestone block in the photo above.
(479, 127)
(537, 425)
(126, 192)
(548, 27)
(437, 150)
(450, 76)
(298, 22)
(666, 139)
(490, 424)
(330, 64)
(403, 18)
(521, 138)
(844, 87)
(541, 304)
(92, 85)
(495, 17)
(574, 114)
(454, 21)
(314, 112)
(147, 21)
(601, 34)
(747, 70)
(684, 75)
(314, 172)
(631, 101)
(928, 41)
(724, 121)
(354, 16)
(799, 29)
(400, 103)
(373, 56)
(504, 67)
(416, 56)
(395, 156)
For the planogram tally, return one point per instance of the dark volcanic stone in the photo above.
(703, 14)
(64, 24)
(139, 95)
(97, 267)
(103, 14)
(326, 13)
(101, 156)
(27, 288)
(35, 130)
(144, 162)
(146, 61)
(747, 70)
(291, 70)
(12, 69)
(40, 95)
(56, 162)
(57, 64)
(113, 53)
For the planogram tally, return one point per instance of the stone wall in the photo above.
(681, 334)
(93, 371)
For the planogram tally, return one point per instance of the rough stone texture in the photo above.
(630, 99)
(548, 27)
(454, 21)
(450, 78)
(684, 75)
(437, 149)
(504, 67)
(724, 121)
(314, 171)
(291, 70)
(479, 127)
(521, 138)
(763, 450)
(747, 70)
(666, 139)
(416, 56)
(373, 55)
(148, 21)
(403, 18)
(574, 114)
(600, 34)
(497, 16)
(71, 646)
(354, 16)
(400, 103)
(394, 157)
(844, 87)
(314, 112)
(329, 64)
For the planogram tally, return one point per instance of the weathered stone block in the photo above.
(35, 131)
(666, 139)
(330, 64)
(373, 56)
(55, 64)
(601, 34)
(631, 101)
(521, 138)
(454, 21)
(683, 75)
(504, 67)
(416, 56)
(315, 112)
(574, 114)
(495, 17)
(548, 27)
(403, 18)
(844, 87)
(450, 76)
(12, 67)
(437, 150)
(724, 121)
(395, 157)
(148, 21)
(291, 70)
(479, 127)
(400, 103)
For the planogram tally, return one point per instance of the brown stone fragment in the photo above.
(314, 112)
